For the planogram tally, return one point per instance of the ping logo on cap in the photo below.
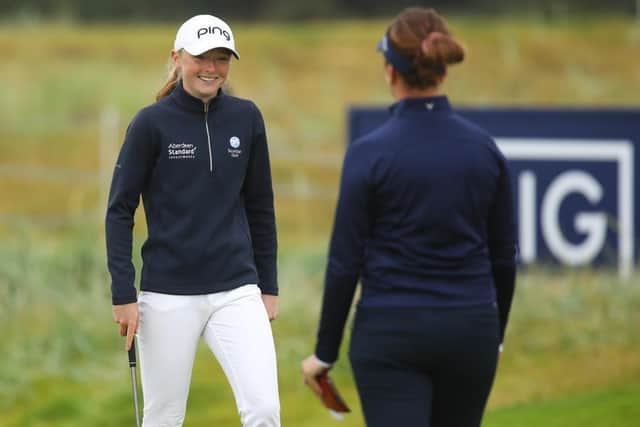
(202, 33)
(212, 30)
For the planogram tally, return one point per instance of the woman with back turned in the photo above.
(199, 159)
(425, 221)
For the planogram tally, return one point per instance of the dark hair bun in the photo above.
(424, 35)
(442, 48)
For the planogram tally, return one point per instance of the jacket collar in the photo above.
(432, 104)
(191, 103)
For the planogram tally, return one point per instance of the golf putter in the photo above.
(134, 380)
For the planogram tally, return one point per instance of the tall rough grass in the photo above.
(303, 77)
(54, 312)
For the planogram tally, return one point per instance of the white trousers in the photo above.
(234, 325)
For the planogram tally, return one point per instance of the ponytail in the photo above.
(172, 80)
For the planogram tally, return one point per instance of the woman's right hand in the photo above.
(127, 316)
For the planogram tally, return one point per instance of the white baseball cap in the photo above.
(202, 33)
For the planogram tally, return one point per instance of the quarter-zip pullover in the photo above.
(424, 219)
(204, 176)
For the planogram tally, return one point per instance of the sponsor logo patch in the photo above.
(182, 151)
(234, 151)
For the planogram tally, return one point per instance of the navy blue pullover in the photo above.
(424, 219)
(204, 175)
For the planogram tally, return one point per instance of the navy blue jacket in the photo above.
(204, 175)
(424, 219)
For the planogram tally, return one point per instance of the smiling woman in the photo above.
(204, 74)
(201, 53)
(209, 262)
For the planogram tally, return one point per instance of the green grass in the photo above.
(571, 332)
(617, 407)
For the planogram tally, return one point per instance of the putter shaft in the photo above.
(134, 381)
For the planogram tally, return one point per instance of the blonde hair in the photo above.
(173, 77)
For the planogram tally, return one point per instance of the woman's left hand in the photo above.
(271, 304)
(311, 369)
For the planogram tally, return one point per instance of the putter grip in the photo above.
(132, 354)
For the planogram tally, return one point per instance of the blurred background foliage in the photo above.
(74, 73)
(166, 10)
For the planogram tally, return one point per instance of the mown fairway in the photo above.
(572, 354)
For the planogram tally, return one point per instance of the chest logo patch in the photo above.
(234, 151)
(182, 151)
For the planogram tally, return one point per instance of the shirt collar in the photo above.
(184, 99)
(428, 104)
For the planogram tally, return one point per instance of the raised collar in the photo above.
(191, 103)
(429, 104)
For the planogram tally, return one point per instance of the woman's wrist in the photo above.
(323, 363)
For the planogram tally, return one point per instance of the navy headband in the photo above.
(400, 62)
